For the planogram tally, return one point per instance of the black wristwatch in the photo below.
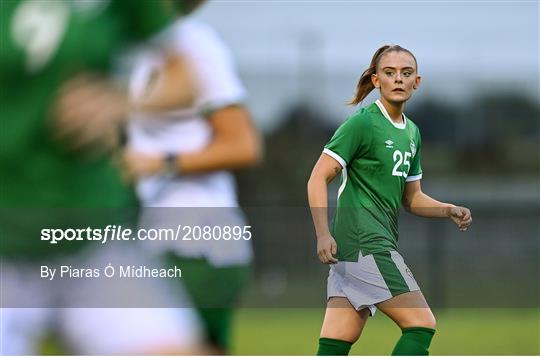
(171, 165)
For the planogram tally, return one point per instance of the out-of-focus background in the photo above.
(478, 112)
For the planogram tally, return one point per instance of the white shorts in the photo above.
(373, 279)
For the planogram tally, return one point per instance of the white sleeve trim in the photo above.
(413, 178)
(335, 156)
(214, 105)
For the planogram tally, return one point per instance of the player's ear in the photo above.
(417, 82)
(375, 81)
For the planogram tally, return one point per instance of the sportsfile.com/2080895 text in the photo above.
(120, 233)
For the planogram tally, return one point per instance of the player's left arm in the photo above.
(418, 203)
(235, 144)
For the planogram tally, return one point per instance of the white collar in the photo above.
(385, 113)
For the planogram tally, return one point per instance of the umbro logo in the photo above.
(389, 144)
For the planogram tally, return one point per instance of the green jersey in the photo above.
(378, 157)
(42, 44)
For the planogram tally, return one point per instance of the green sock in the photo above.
(414, 341)
(333, 347)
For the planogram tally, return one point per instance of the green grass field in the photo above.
(459, 332)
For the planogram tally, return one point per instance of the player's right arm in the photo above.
(323, 173)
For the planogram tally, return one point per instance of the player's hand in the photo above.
(136, 164)
(326, 249)
(88, 113)
(461, 216)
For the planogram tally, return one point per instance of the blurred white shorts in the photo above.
(166, 325)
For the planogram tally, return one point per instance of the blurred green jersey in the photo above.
(378, 157)
(42, 44)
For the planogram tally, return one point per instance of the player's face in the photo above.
(396, 76)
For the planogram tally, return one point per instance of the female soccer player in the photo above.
(377, 151)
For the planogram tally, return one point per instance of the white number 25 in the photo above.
(400, 159)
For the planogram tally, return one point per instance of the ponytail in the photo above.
(365, 85)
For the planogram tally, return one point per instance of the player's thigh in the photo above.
(129, 316)
(409, 310)
(342, 321)
(109, 331)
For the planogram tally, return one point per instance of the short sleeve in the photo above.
(415, 173)
(350, 140)
(214, 68)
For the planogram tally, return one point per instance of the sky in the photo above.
(316, 50)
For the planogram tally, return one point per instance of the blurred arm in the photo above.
(235, 144)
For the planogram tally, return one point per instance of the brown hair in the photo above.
(365, 86)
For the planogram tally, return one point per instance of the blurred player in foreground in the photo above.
(377, 151)
(60, 118)
(181, 151)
